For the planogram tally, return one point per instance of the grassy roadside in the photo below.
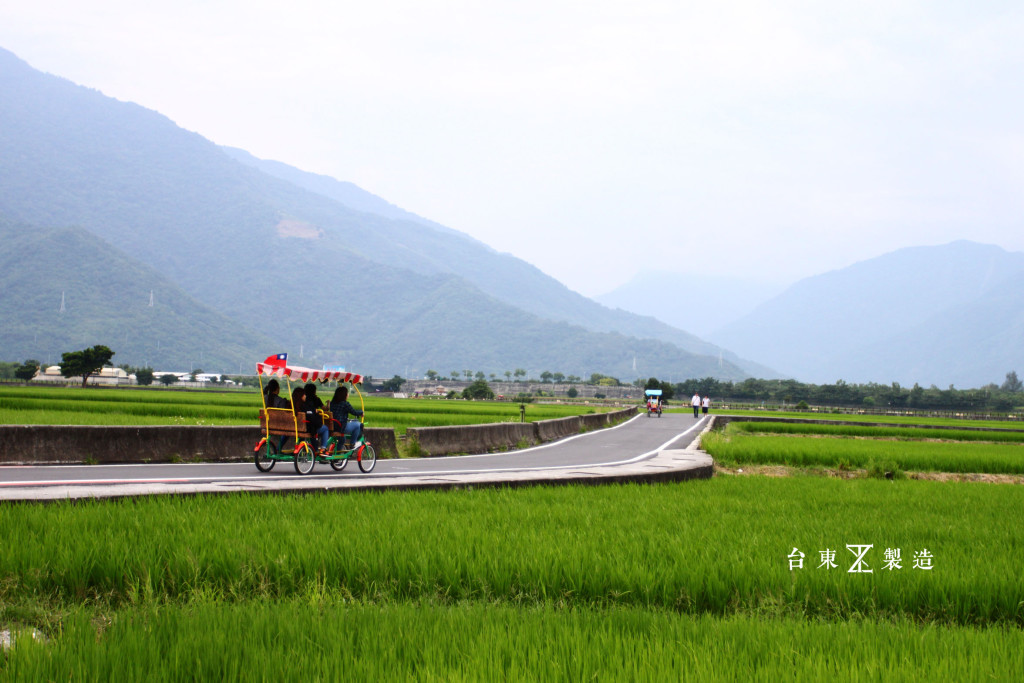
(68, 406)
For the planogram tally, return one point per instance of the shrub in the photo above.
(411, 448)
(887, 469)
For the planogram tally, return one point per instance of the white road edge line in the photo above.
(109, 482)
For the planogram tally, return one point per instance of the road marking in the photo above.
(296, 477)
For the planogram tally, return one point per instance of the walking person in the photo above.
(705, 404)
(695, 402)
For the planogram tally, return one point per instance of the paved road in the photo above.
(609, 450)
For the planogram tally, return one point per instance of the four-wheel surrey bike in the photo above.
(653, 402)
(280, 424)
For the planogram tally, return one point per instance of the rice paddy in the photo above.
(733, 577)
(811, 445)
(95, 406)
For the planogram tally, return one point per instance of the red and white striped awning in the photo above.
(299, 374)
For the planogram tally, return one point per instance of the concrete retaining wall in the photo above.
(505, 435)
(471, 438)
(41, 444)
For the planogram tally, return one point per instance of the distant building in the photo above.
(105, 377)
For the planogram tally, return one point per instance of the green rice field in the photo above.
(810, 445)
(620, 582)
(965, 421)
(136, 406)
(736, 577)
(998, 434)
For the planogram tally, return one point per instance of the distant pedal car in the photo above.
(653, 402)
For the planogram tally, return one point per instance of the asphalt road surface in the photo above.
(633, 441)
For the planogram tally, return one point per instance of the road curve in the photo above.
(641, 448)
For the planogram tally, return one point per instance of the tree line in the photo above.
(996, 397)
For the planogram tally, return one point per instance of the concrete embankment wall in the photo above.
(507, 435)
(52, 444)
(43, 444)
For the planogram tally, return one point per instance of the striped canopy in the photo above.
(298, 374)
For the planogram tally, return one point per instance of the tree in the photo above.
(508, 375)
(519, 373)
(144, 376)
(572, 393)
(478, 390)
(667, 390)
(197, 371)
(27, 370)
(394, 384)
(432, 375)
(455, 375)
(168, 379)
(1012, 384)
(479, 375)
(546, 376)
(85, 363)
(557, 378)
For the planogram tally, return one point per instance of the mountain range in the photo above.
(108, 201)
(699, 303)
(948, 314)
(120, 228)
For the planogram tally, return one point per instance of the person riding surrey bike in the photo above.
(341, 409)
(314, 423)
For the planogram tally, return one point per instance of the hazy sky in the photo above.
(597, 139)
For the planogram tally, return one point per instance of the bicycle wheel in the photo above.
(304, 459)
(264, 461)
(339, 462)
(367, 458)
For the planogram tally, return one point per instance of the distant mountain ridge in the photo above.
(951, 314)
(702, 304)
(290, 264)
(502, 276)
(345, 193)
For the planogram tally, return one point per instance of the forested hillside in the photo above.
(288, 264)
(106, 297)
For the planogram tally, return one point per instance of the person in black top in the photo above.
(314, 423)
(272, 399)
(341, 409)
